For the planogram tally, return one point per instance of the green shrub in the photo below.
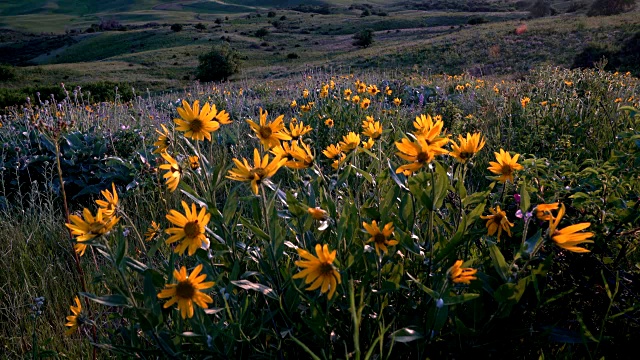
(363, 38)
(610, 7)
(6, 72)
(200, 26)
(218, 64)
(262, 32)
(176, 27)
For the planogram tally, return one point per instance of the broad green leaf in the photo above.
(452, 300)
(499, 263)
(248, 285)
(257, 231)
(107, 300)
(406, 335)
(365, 174)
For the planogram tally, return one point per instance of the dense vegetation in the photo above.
(528, 294)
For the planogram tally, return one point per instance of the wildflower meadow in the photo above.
(326, 216)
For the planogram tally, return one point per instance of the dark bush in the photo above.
(218, 21)
(575, 6)
(200, 26)
(218, 64)
(176, 27)
(262, 33)
(540, 8)
(6, 72)
(476, 20)
(271, 14)
(610, 7)
(364, 38)
(293, 56)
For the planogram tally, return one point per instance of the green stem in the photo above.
(356, 320)
(431, 215)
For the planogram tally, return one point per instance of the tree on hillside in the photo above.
(540, 8)
(218, 64)
(364, 38)
(610, 7)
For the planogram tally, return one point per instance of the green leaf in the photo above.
(584, 329)
(396, 178)
(498, 262)
(230, 207)
(108, 300)
(406, 335)
(525, 199)
(365, 174)
(135, 265)
(257, 231)
(434, 294)
(458, 299)
(191, 194)
(248, 285)
(121, 250)
(531, 244)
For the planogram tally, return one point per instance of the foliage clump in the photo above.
(364, 38)
(218, 64)
(610, 7)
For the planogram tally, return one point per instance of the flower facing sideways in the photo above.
(88, 226)
(110, 204)
(318, 214)
(74, 321)
(152, 231)
(186, 291)
(262, 169)
(543, 211)
(189, 230)
(174, 172)
(163, 142)
(350, 142)
(319, 271)
(497, 221)
(460, 275)
(467, 147)
(570, 237)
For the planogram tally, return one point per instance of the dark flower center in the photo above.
(192, 229)
(379, 238)
(260, 173)
(196, 125)
(423, 157)
(326, 269)
(506, 170)
(265, 132)
(185, 289)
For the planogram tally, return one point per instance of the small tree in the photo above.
(262, 32)
(610, 7)
(176, 27)
(218, 64)
(364, 38)
(200, 26)
(540, 8)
